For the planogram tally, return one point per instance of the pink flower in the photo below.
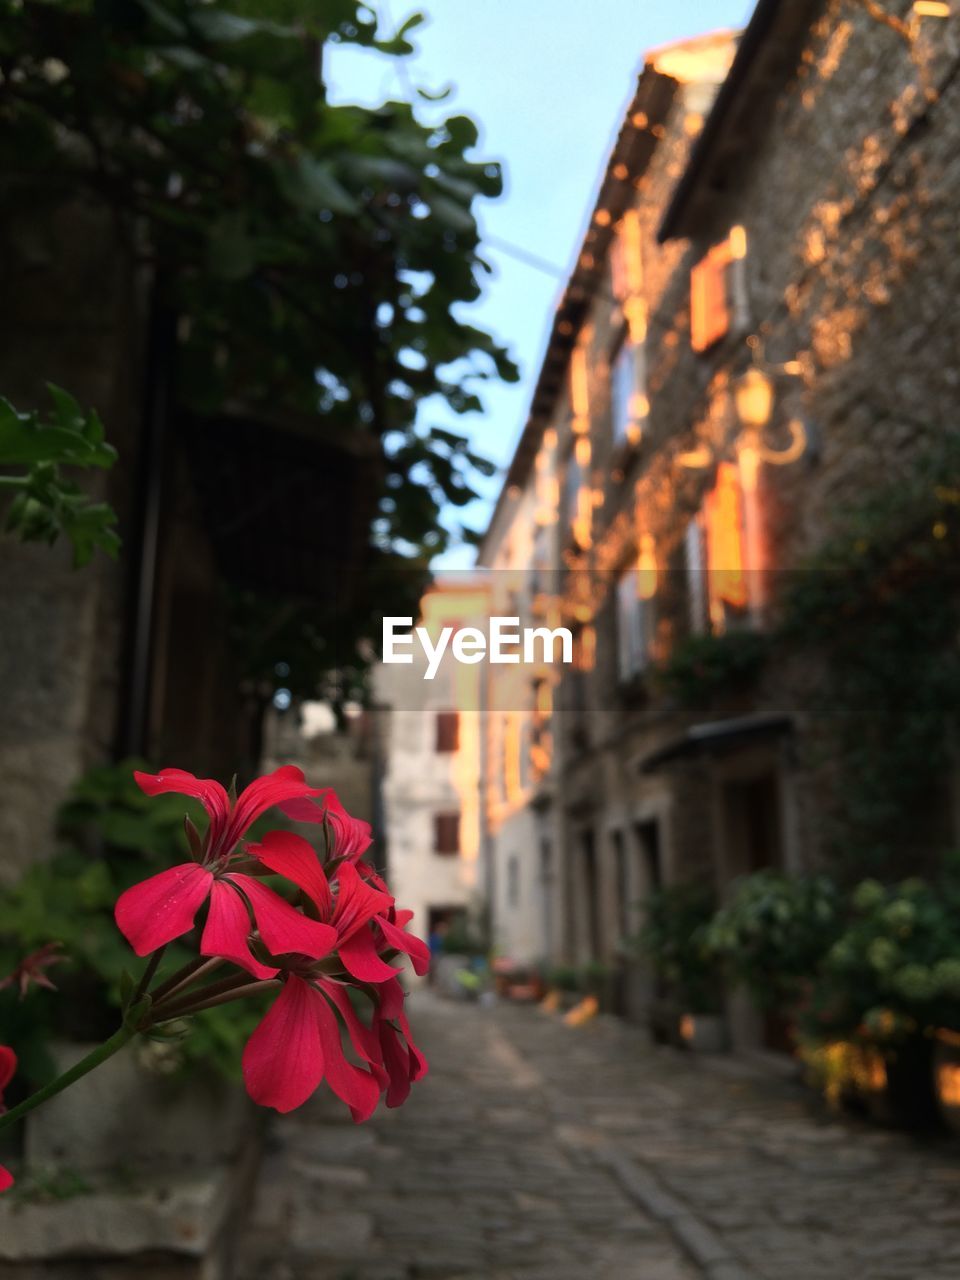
(8, 1066)
(351, 836)
(297, 1045)
(403, 1062)
(361, 900)
(164, 907)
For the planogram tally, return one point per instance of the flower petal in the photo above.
(228, 928)
(418, 1063)
(392, 997)
(352, 836)
(284, 929)
(359, 957)
(6, 1179)
(362, 1037)
(154, 912)
(208, 791)
(296, 859)
(285, 783)
(8, 1067)
(396, 1059)
(283, 1059)
(356, 901)
(414, 947)
(354, 1086)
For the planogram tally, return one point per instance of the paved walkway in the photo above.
(540, 1152)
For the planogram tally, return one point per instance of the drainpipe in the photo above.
(133, 735)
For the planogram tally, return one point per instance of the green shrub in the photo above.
(702, 666)
(894, 971)
(774, 931)
(675, 937)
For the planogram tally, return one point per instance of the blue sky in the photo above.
(547, 82)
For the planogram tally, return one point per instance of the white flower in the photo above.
(53, 70)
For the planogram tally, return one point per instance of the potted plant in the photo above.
(890, 987)
(687, 1010)
(771, 935)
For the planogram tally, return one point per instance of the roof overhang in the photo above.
(718, 737)
(767, 54)
(632, 152)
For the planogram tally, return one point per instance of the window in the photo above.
(448, 732)
(513, 881)
(621, 873)
(633, 627)
(723, 520)
(648, 840)
(446, 833)
(717, 580)
(695, 557)
(573, 478)
(627, 405)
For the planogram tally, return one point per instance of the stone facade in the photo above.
(78, 314)
(804, 227)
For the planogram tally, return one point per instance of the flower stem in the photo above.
(194, 969)
(148, 974)
(216, 993)
(75, 1073)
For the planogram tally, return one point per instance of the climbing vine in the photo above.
(880, 605)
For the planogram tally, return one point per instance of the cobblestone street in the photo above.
(541, 1152)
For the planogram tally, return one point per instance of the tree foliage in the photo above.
(318, 255)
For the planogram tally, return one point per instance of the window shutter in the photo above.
(446, 833)
(448, 731)
(724, 515)
(709, 305)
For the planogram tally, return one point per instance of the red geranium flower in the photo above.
(8, 1066)
(298, 1045)
(352, 836)
(162, 908)
(359, 901)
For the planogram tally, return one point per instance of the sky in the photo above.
(547, 82)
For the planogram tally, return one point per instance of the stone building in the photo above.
(428, 767)
(553, 897)
(757, 333)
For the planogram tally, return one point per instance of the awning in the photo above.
(719, 736)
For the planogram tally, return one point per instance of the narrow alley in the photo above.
(541, 1152)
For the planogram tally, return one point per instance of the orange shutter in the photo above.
(709, 308)
(724, 521)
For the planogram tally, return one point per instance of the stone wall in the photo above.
(73, 315)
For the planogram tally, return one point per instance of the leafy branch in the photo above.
(46, 505)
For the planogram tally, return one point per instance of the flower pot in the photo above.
(703, 1032)
(946, 1077)
(129, 1114)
